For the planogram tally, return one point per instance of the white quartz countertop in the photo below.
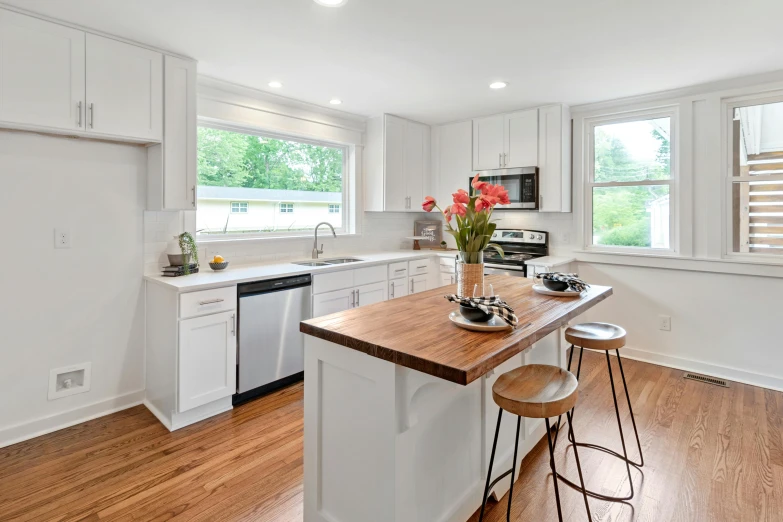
(207, 278)
(550, 261)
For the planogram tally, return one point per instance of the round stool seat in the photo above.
(536, 391)
(596, 336)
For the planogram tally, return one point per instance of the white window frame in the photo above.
(727, 127)
(344, 229)
(240, 207)
(670, 112)
(286, 208)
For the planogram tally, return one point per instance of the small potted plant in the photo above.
(188, 252)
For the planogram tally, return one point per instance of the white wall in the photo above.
(83, 304)
(724, 312)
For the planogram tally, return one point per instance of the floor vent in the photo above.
(708, 380)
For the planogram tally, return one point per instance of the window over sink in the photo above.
(253, 184)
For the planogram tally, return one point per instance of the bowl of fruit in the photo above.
(218, 263)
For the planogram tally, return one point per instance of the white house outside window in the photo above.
(291, 183)
(239, 207)
(755, 178)
(629, 189)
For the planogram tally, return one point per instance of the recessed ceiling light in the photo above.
(275, 85)
(497, 85)
(335, 101)
(330, 3)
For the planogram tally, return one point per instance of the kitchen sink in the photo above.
(311, 263)
(341, 261)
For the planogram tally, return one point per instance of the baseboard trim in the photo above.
(158, 414)
(689, 365)
(51, 423)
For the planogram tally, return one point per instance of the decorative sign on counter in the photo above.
(432, 230)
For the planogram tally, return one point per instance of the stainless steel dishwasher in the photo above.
(271, 347)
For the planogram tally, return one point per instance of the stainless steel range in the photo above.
(518, 246)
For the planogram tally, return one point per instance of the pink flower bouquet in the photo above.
(473, 214)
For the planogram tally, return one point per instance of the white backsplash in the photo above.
(381, 231)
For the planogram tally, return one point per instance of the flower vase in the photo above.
(470, 272)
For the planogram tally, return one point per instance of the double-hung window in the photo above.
(239, 207)
(629, 194)
(755, 177)
(334, 209)
(286, 208)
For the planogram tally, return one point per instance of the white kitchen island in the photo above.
(399, 416)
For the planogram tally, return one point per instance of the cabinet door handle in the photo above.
(91, 116)
(391, 290)
(500, 159)
(505, 160)
(411, 285)
(79, 108)
(211, 301)
(357, 298)
(194, 195)
(234, 325)
(353, 298)
(540, 201)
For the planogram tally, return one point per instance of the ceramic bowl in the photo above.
(218, 266)
(555, 286)
(474, 314)
(178, 259)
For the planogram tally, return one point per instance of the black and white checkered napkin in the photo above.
(574, 283)
(488, 305)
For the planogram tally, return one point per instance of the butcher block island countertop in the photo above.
(416, 332)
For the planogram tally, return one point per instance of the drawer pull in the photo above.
(420, 267)
(399, 270)
(211, 301)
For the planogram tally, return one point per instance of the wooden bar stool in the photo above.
(536, 391)
(604, 337)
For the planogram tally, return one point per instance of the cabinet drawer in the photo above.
(419, 266)
(398, 270)
(332, 281)
(207, 302)
(449, 261)
(371, 274)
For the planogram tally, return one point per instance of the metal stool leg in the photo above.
(491, 461)
(579, 466)
(630, 409)
(624, 456)
(511, 472)
(554, 469)
(578, 373)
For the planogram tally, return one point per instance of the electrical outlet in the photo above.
(62, 238)
(665, 323)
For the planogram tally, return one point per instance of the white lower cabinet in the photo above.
(418, 283)
(398, 287)
(447, 279)
(207, 359)
(371, 294)
(333, 302)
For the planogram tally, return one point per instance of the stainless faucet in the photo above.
(315, 242)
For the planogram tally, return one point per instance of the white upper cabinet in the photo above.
(521, 139)
(172, 175)
(124, 89)
(452, 165)
(397, 164)
(41, 73)
(488, 147)
(554, 159)
(506, 140)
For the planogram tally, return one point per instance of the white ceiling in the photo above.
(432, 60)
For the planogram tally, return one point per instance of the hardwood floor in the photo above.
(711, 454)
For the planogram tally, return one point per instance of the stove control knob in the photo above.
(532, 236)
(540, 236)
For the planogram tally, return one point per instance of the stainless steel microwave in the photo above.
(521, 184)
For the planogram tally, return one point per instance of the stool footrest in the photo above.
(637, 465)
(506, 474)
